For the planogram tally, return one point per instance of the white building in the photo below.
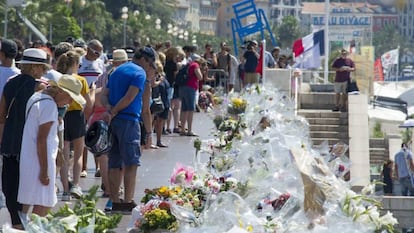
(406, 19)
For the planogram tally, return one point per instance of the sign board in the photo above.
(344, 20)
(13, 3)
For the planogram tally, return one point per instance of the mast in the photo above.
(326, 69)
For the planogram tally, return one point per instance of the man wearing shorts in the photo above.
(122, 98)
(343, 67)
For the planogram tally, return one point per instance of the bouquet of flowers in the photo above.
(155, 214)
(236, 106)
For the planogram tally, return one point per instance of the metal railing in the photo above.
(221, 78)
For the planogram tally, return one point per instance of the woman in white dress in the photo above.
(40, 144)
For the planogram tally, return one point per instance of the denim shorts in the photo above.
(126, 138)
(188, 98)
(170, 93)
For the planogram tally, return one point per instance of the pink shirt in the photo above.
(193, 80)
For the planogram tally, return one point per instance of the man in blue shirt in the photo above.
(403, 168)
(123, 100)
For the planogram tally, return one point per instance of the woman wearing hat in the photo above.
(75, 124)
(16, 93)
(40, 144)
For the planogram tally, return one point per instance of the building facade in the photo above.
(351, 25)
(279, 9)
(406, 19)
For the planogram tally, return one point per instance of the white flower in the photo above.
(388, 219)
(358, 211)
(180, 177)
(369, 189)
(364, 219)
(374, 215)
(232, 180)
(198, 183)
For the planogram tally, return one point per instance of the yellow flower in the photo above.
(164, 190)
(238, 102)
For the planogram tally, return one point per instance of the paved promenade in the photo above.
(156, 166)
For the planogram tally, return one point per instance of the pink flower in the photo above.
(182, 175)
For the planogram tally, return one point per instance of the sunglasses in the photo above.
(96, 52)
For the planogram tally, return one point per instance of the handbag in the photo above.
(352, 87)
(157, 105)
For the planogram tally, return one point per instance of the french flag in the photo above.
(309, 49)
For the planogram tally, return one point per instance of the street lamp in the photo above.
(158, 24)
(68, 2)
(124, 16)
(136, 13)
(82, 3)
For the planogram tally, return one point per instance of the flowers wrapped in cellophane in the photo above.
(263, 175)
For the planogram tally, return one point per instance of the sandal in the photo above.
(192, 134)
(161, 145)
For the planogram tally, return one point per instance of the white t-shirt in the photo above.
(234, 66)
(91, 70)
(53, 75)
(5, 74)
(31, 191)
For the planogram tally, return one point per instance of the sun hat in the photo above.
(72, 86)
(9, 48)
(34, 56)
(119, 55)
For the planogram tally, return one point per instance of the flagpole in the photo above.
(263, 62)
(326, 69)
(398, 61)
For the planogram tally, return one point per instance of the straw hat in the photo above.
(119, 55)
(34, 56)
(72, 86)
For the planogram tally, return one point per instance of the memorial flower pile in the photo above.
(83, 217)
(260, 173)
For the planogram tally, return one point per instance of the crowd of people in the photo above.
(51, 94)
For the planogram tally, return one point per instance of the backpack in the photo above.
(182, 76)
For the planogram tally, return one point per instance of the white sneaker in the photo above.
(66, 196)
(76, 191)
(83, 174)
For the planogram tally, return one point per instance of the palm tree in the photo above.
(401, 4)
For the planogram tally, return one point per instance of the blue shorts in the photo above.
(126, 140)
(188, 98)
(170, 93)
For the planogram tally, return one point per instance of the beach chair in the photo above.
(249, 20)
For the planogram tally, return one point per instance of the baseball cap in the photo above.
(79, 43)
(9, 48)
(148, 52)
